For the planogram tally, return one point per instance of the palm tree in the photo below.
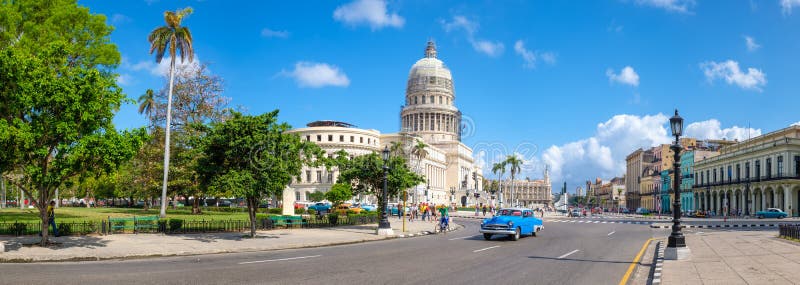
(515, 164)
(179, 40)
(501, 168)
(419, 151)
(398, 148)
(147, 102)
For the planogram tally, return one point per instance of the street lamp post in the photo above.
(452, 195)
(676, 239)
(384, 228)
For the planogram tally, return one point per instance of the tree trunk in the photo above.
(251, 211)
(3, 199)
(196, 206)
(45, 225)
(166, 140)
(147, 204)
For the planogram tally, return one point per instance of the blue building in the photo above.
(687, 180)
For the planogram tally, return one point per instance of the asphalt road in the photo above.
(563, 253)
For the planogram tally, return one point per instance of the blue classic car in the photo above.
(771, 213)
(512, 222)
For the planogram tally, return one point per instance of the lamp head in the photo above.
(676, 124)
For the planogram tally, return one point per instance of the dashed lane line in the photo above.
(568, 254)
(280, 259)
(466, 237)
(482, 249)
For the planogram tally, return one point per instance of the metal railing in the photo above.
(789, 231)
(762, 178)
(34, 228)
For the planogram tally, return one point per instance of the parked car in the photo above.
(626, 211)
(344, 207)
(368, 207)
(575, 213)
(771, 213)
(642, 211)
(392, 209)
(321, 207)
(513, 222)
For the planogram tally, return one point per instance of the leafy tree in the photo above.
(316, 196)
(147, 103)
(339, 193)
(178, 39)
(253, 157)
(514, 164)
(56, 122)
(365, 175)
(500, 168)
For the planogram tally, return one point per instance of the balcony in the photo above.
(764, 178)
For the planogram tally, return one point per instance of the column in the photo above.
(763, 200)
(787, 198)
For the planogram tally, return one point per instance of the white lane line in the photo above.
(568, 254)
(463, 237)
(572, 221)
(611, 233)
(281, 259)
(605, 222)
(596, 222)
(491, 247)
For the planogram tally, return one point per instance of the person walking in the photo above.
(52, 217)
(484, 210)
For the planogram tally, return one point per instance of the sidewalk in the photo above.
(738, 257)
(125, 246)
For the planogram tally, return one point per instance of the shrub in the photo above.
(19, 229)
(64, 229)
(332, 219)
(162, 225)
(274, 211)
(175, 224)
(300, 211)
(350, 212)
(312, 212)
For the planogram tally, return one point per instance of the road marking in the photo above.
(611, 233)
(491, 247)
(281, 259)
(633, 263)
(572, 221)
(568, 254)
(596, 222)
(605, 222)
(463, 237)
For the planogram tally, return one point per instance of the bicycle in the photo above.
(443, 226)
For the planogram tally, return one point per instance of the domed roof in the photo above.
(430, 65)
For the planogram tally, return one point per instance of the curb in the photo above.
(717, 226)
(656, 277)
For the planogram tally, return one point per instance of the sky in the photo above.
(575, 86)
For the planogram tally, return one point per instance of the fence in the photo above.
(789, 231)
(178, 226)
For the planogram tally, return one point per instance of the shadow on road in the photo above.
(209, 238)
(579, 260)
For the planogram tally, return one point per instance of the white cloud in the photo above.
(678, 6)
(492, 49)
(268, 33)
(787, 5)
(162, 69)
(626, 76)
(530, 57)
(371, 12)
(117, 19)
(316, 75)
(460, 23)
(124, 79)
(603, 154)
(751, 44)
(729, 70)
(710, 129)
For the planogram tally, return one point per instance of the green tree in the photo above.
(56, 122)
(365, 175)
(500, 168)
(514, 164)
(254, 157)
(339, 193)
(316, 196)
(178, 39)
(147, 103)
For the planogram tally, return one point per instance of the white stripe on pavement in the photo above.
(568, 254)
(611, 233)
(281, 259)
(491, 247)
(596, 222)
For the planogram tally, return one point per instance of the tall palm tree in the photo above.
(179, 40)
(514, 164)
(398, 148)
(500, 167)
(420, 152)
(147, 102)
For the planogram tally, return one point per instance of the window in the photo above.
(797, 165)
(423, 99)
(730, 173)
(308, 176)
(702, 178)
(308, 138)
(319, 138)
(360, 139)
(780, 165)
(352, 139)
(747, 170)
(738, 172)
(319, 176)
(297, 196)
(715, 175)
(369, 141)
(769, 167)
(721, 174)
(708, 176)
(341, 138)
(432, 100)
(758, 169)
(432, 80)
(330, 177)
(330, 138)
(440, 99)
(415, 100)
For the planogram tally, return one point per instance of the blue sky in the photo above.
(573, 85)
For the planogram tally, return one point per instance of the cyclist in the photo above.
(444, 222)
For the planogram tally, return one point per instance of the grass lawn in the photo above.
(79, 214)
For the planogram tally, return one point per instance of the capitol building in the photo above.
(430, 116)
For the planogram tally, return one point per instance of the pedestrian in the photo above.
(433, 213)
(52, 217)
(484, 210)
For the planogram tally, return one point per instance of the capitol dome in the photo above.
(430, 100)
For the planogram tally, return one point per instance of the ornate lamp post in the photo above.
(676, 239)
(384, 228)
(452, 195)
